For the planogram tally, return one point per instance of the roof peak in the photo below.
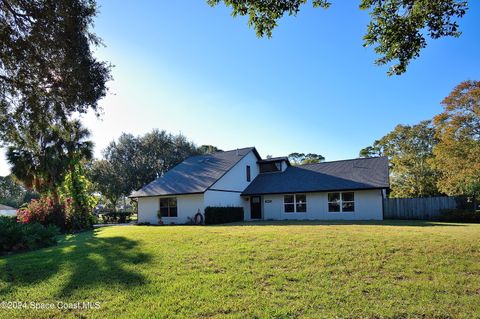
(237, 149)
(345, 160)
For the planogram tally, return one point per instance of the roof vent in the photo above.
(238, 152)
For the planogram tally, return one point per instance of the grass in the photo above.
(263, 270)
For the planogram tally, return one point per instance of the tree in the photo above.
(409, 149)
(108, 181)
(301, 158)
(312, 158)
(48, 160)
(40, 160)
(47, 70)
(133, 161)
(78, 149)
(458, 131)
(45, 161)
(13, 193)
(397, 28)
(208, 149)
(371, 151)
(78, 189)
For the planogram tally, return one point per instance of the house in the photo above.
(269, 188)
(7, 210)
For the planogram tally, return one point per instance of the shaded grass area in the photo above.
(390, 269)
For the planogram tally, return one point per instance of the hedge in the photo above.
(223, 215)
(15, 236)
(117, 217)
(459, 216)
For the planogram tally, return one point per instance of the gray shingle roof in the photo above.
(195, 174)
(363, 173)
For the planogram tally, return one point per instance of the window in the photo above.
(301, 203)
(168, 207)
(270, 167)
(348, 202)
(278, 165)
(333, 202)
(296, 203)
(341, 202)
(248, 173)
(289, 203)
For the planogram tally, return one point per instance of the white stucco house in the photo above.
(268, 189)
(7, 210)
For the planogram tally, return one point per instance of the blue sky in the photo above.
(185, 67)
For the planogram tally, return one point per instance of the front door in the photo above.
(255, 207)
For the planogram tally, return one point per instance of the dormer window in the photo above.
(270, 165)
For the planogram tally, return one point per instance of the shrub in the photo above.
(10, 234)
(44, 211)
(117, 217)
(15, 236)
(222, 215)
(37, 236)
(460, 216)
(144, 224)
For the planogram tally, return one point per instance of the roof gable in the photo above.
(195, 174)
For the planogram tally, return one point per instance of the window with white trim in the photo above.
(341, 202)
(295, 203)
(168, 207)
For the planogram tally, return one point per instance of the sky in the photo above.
(184, 67)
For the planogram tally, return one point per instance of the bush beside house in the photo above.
(223, 215)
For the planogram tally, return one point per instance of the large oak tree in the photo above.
(133, 161)
(398, 28)
(409, 149)
(47, 68)
(457, 155)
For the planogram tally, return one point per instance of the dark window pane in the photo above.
(173, 211)
(248, 173)
(163, 202)
(333, 197)
(164, 211)
(288, 199)
(301, 198)
(333, 207)
(348, 197)
(172, 202)
(301, 208)
(268, 167)
(289, 208)
(348, 207)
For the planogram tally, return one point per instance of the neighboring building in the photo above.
(267, 188)
(7, 210)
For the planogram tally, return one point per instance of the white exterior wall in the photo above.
(187, 206)
(223, 199)
(234, 181)
(368, 206)
(8, 212)
(236, 178)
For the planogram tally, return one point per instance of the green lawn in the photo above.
(264, 270)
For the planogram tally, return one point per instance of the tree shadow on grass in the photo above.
(386, 222)
(88, 261)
